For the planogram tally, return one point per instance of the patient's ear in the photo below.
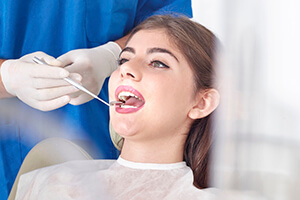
(206, 102)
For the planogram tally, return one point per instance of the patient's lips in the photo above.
(133, 100)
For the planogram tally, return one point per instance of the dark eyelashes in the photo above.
(158, 64)
(121, 61)
(154, 63)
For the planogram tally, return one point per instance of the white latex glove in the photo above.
(94, 65)
(40, 86)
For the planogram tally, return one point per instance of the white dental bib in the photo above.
(107, 179)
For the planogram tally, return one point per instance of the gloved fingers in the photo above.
(69, 57)
(80, 97)
(76, 77)
(20, 68)
(47, 105)
(81, 66)
(41, 55)
(52, 61)
(52, 93)
(45, 71)
(83, 98)
(37, 70)
(50, 104)
(75, 94)
(40, 83)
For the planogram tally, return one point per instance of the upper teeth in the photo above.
(123, 96)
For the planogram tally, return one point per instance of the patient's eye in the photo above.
(122, 61)
(158, 64)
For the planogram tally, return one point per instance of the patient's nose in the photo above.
(130, 70)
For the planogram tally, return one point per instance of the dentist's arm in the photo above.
(122, 41)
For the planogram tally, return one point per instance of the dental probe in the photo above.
(80, 87)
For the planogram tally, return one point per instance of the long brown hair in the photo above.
(198, 45)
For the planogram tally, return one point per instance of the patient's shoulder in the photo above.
(63, 175)
(78, 166)
(67, 170)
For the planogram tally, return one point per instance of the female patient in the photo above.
(166, 78)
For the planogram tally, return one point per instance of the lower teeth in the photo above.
(127, 106)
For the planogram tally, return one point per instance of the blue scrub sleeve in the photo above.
(148, 8)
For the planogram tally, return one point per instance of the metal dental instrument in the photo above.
(80, 87)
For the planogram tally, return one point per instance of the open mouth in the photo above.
(130, 97)
(130, 100)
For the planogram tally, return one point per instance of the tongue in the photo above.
(132, 101)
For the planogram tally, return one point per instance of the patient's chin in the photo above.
(125, 129)
(128, 125)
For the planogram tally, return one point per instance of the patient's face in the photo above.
(157, 83)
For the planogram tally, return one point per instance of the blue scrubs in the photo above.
(56, 27)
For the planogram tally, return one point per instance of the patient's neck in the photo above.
(158, 151)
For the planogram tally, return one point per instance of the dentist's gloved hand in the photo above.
(40, 86)
(94, 65)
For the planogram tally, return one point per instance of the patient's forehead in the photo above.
(154, 38)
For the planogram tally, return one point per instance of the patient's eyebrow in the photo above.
(161, 50)
(128, 49)
(151, 50)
